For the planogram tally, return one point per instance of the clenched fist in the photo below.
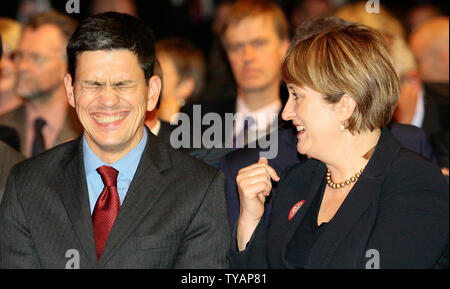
(254, 185)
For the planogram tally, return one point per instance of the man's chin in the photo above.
(30, 95)
(254, 88)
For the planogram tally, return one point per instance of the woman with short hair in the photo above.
(361, 200)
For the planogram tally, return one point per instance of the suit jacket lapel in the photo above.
(364, 192)
(145, 189)
(317, 175)
(74, 195)
(355, 204)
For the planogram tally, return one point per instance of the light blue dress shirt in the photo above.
(126, 166)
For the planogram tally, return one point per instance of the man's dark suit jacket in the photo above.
(164, 131)
(399, 207)
(409, 136)
(8, 158)
(173, 216)
(17, 120)
(435, 122)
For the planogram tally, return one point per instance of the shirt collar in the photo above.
(262, 116)
(126, 166)
(54, 119)
(273, 107)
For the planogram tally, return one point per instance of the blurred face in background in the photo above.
(41, 62)
(8, 71)
(170, 76)
(255, 53)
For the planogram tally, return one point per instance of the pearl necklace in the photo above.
(344, 183)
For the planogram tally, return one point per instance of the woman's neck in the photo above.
(352, 155)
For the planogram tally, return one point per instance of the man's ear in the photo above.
(346, 107)
(154, 89)
(186, 88)
(284, 47)
(69, 89)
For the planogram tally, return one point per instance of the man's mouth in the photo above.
(107, 119)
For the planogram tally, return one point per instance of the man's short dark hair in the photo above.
(111, 31)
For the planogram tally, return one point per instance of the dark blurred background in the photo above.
(194, 19)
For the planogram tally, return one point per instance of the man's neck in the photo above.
(9, 101)
(257, 99)
(46, 104)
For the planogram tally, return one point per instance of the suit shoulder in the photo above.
(408, 128)
(183, 161)
(410, 163)
(46, 161)
(410, 172)
(13, 114)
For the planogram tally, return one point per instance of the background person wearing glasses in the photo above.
(45, 119)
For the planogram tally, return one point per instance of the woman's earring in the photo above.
(342, 127)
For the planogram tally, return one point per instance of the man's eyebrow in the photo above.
(122, 82)
(117, 83)
(92, 82)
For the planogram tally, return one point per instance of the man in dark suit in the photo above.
(117, 197)
(429, 44)
(255, 35)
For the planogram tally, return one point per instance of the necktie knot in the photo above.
(109, 175)
(39, 123)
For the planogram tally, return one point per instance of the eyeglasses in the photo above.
(33, 58)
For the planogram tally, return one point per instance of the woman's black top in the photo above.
(307, 233)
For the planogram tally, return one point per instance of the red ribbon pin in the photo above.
(295, 209)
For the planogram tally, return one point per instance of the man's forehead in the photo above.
(253, 26)
(49, 32)
(117, 56)
(113, 64)
(46, 36)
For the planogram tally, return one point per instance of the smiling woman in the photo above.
(354, 61)
(360, 191)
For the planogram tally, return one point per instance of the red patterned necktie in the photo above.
(106, 208)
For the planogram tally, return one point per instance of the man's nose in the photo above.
(109, 97)
(23, 64)
(249, 52)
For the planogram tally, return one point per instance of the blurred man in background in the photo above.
(429, 43)
(45, 118)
